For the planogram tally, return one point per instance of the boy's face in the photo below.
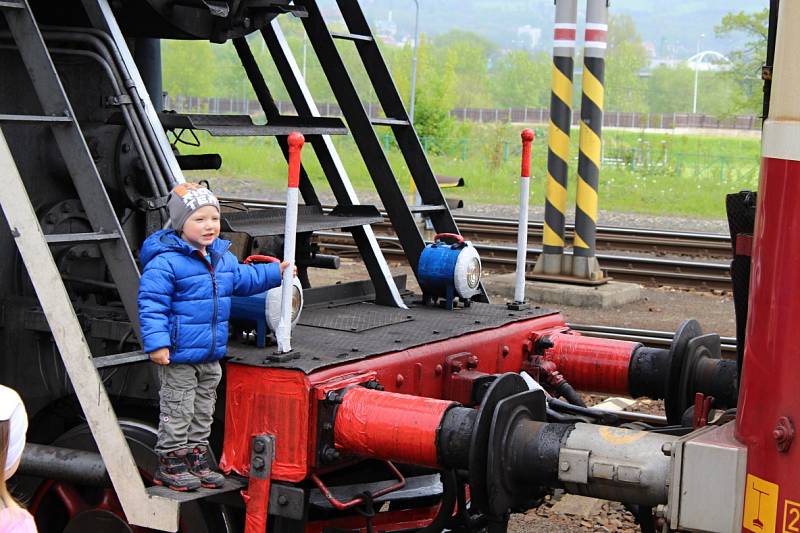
(201, 228)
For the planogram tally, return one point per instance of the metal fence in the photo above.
(529, 115)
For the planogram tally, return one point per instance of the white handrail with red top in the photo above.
(284, 333)
(522, 231)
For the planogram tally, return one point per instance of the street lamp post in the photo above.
(696, 71)
(414, 64)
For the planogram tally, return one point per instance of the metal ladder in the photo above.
(58, 115)
(386, 291)
(141, 508)
(361, 125)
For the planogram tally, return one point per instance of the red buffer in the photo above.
(396, 427)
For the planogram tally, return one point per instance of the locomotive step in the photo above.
(232, 483)
(43, 120)
(350, 36)
(77, 238)
(263, 222)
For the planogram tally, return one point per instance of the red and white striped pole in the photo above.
(522, 231)
(284, 333)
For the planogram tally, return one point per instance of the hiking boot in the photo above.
(198, 465)
(173, 472)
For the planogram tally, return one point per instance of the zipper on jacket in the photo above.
(173, 334)
(216, 305)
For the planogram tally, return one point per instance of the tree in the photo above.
(180, 60)
(470, 56)
(520, 79)
(436, 78)
(747, 61)
(669, 89)
(625, 59)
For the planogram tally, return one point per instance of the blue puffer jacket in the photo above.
(185, 302)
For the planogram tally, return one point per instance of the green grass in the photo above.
(664, 174)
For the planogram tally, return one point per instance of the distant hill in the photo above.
(673, 28)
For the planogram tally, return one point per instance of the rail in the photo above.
(489, 234)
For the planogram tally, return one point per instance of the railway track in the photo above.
(500, 258)
(494, 237)
(651, 241)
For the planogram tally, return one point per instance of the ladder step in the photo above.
(76, 238)
(351, 36)
(118, 359)
(34, 119)
(388, 122)
(427, 208)
(242, 125)
(11, 4)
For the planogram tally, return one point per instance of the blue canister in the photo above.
(449, 267)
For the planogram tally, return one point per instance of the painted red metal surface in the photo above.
(407, 519)
(295, 141)
(527, 138)
(256, 500)
(272, 401)
(564, 34)
(283, 402)
(71, 500)
(497, 350)
(771, 368)
(592, 364)
(387, 425)
(595, 35)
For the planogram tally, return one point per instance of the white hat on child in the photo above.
(13, 410)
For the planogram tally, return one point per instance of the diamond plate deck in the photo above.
(355, 318)
(324, 336)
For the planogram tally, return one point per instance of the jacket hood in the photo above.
(167, 240)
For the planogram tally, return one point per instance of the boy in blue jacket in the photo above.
(184, 305)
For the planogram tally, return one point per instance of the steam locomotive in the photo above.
(393, 411)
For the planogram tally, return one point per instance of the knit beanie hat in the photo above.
(187, 198)
(12, 409)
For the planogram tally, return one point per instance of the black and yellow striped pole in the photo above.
(584, 262)
(551, 260)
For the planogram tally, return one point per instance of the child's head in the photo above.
(13, 426)
(194, 212)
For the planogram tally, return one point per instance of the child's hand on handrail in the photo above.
(284, 264)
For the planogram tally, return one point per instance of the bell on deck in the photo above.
(449, 268)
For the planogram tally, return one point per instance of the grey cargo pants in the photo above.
(188, 395)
